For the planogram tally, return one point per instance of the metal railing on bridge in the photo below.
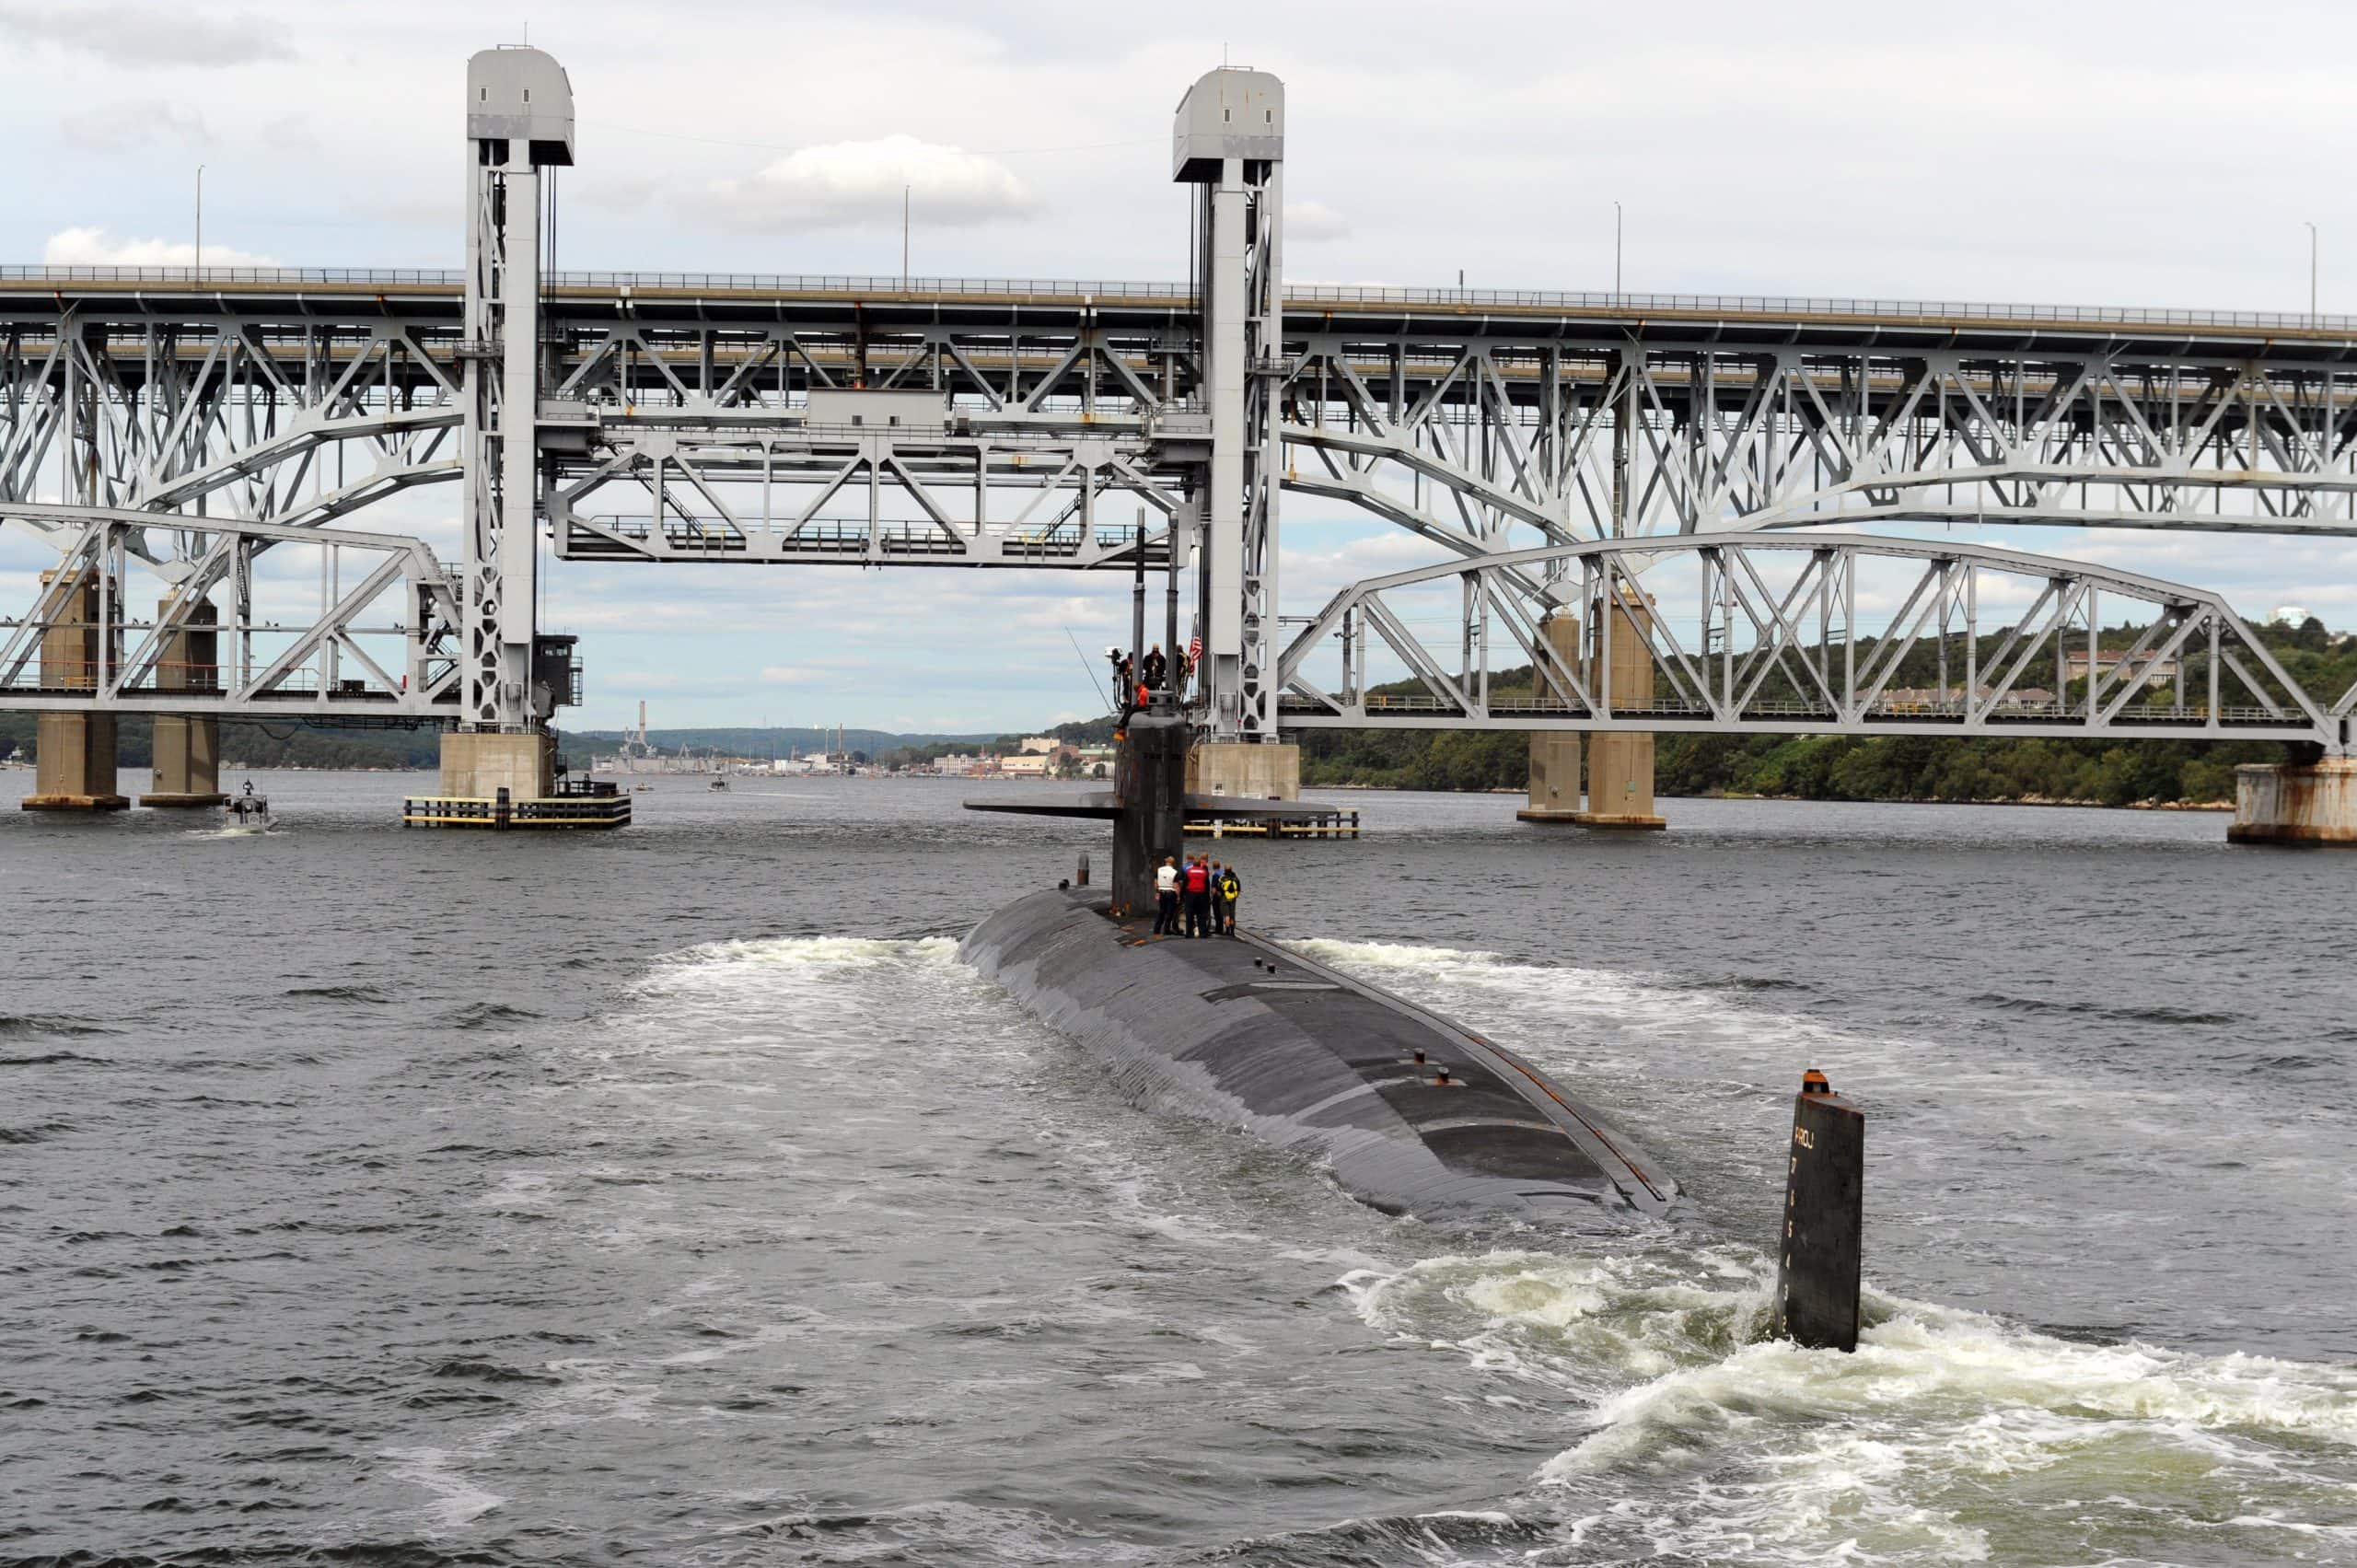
(1954, 710)
(1603, 302)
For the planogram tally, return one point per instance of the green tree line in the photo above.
(250, 745)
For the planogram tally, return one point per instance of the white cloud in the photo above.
(859, 184)
(144, 35)
(122, 127)
(1314, 221)
(96, 247)
(291, 133)
(783, 675)
(614, 194)
(1071, 610)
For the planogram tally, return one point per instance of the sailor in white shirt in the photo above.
(1166, 897)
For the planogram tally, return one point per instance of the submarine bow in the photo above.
(1411, 1113)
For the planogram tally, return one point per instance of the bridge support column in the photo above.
(187, 750)
(477, 766)
(75, 761)
(501, 771)
(508, 779)
(1555, 753)
(1620, 764)
(2284, 802)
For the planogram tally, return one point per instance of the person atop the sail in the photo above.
(1125, 682)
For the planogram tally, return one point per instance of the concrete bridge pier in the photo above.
(187, 750)
(478, 766)
(508, 779)
(1555, 753)
(1621, 764)
(1265, 770)
(2293, 803)
(75, 761)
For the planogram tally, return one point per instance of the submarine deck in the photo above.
(1251, 1033)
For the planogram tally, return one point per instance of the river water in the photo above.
(676, 1196)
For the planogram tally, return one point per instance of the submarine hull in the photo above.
(1245, 1033)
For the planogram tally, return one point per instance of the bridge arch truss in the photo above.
(1789, 633)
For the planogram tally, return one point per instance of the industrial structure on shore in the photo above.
(1644, 508)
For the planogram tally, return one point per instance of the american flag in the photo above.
(1194, 649)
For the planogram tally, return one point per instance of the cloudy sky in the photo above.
(2149, 152)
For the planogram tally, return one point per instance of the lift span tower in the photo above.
(1647, 513)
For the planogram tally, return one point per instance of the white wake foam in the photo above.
(784, 967)
(452, 1500)
(1945, 1436)
(822, 952)
(1501, 991)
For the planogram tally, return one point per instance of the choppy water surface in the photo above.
(676, 1196)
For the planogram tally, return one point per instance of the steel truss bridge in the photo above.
(195, 443)
(1771, 643)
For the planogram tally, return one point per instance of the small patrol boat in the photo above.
(249, 812)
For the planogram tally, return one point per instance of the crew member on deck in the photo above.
(1154, 669)
(1166, 897)
(1227, 887)
(1198, 898)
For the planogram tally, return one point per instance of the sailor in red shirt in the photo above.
(1198, 898)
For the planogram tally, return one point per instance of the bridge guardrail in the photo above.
(2058, 712)
(1604, 301)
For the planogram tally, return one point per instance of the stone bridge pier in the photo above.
(187, 750)
(75, 764)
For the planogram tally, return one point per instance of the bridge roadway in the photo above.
(429, 299)
(1483, 420)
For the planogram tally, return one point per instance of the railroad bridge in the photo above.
(1647, 512)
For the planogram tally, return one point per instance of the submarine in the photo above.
(1411, 1113)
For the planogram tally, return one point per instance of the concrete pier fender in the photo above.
(1263, 770)
(2311, 806)
(508, 779)
(1821, 1247)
